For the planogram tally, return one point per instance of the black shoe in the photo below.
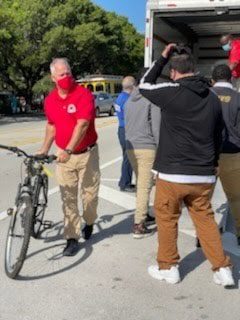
(71, 248)
(198, 244)
(149, 220)
(141, 231)
(238, 240)
(87, 231)
(130, 188)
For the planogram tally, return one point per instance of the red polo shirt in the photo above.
(234, 56)
(64, 113)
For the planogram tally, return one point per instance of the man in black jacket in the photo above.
(186, 162)
(229, 163)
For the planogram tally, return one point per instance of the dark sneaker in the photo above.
(87, 231)
(71, 248)
(130, 188)
(238, 240)
(141, 231)
(149, 220)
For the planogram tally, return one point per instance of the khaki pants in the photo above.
(229, 165)
(142, 162)
(83, 169)
(169, 197)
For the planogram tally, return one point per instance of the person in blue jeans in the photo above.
(125, 182)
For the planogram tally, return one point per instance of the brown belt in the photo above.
(85, 150)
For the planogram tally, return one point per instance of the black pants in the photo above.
(126, 173)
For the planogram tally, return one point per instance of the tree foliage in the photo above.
(32, 32)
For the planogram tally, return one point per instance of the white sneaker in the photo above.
(171, 276)
(224, 277)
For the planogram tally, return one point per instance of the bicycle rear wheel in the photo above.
(41, 204)
(18, 237)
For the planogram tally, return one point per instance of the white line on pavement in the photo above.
(107, 164)
(119, 198)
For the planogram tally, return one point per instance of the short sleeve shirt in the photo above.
(119, 107)
(64, 114)
(234, 56)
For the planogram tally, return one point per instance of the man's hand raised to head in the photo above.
(168, 49)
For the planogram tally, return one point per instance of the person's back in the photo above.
(190, 140)
(189, 118)
(229, 163)
(125, 182)
(142, 122)
(142, 126)
(231, 114)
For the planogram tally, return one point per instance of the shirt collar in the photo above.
(224, 84)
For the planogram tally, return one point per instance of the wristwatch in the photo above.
(68, 151)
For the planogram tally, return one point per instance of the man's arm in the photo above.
(155, 123)
(48, 139)
(77, 136)
(218, 131)
(159, 94)
(233, 65)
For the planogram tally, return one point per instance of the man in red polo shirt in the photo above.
(232, 46)
(70, 112)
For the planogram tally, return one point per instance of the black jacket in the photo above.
(191, 125)
(231, 115)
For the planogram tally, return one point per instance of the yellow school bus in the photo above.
(102, 83)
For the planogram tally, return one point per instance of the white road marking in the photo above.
(119, 198)
(107, 164)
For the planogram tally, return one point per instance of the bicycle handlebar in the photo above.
(40, 157)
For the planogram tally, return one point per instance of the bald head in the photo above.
(128, 83)
(226, 39)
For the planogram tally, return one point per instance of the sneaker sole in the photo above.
(165, 279)
(150, 223)
(225, 285)
(141, 236)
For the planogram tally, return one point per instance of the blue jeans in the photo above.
(126, 172)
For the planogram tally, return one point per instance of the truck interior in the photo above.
(201, 30)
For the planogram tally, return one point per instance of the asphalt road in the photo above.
(108, 278)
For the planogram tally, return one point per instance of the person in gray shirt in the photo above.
(142, 128)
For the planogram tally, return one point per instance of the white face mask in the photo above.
(227, 47)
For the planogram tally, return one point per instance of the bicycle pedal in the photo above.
(10, 211)
(47, 224)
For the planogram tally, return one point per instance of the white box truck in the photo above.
(200, 23)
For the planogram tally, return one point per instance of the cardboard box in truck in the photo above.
(197, 23)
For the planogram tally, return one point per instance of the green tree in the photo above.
(32, 32)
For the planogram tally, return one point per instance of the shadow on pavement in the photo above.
(196, 258)
(54, 252)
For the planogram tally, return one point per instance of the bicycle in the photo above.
(28, 212)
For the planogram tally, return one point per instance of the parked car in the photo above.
(104, 103)
(5, 103)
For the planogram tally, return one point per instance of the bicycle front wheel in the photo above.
(41, 195)
(18, 237)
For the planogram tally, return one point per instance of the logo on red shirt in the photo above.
(71, 108)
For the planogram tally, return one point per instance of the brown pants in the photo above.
(229, 165)
(81, 169)
(168, 200)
